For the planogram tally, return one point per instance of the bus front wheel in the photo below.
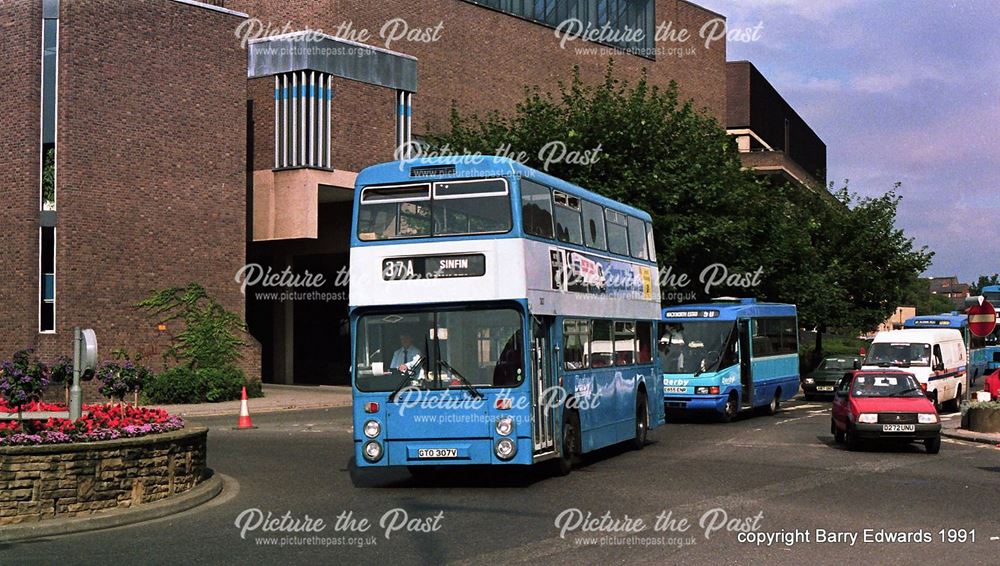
(570, 442)
(731, 409)
(641, 422)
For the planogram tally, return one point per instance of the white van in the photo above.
(936, 357)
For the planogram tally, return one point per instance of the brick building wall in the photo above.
(151, 168)
(21, 28)
(484, 58)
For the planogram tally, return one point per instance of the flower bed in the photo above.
(100, 422)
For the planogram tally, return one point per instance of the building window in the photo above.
(47, 167)
(47, 277)
(50, 45)
(631, 23)
(302, 119)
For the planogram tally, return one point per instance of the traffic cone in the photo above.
(244, 421)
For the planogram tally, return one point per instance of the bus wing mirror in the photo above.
(857, 364)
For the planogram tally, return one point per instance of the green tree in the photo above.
(211, 335)
(845, 266)
(919, 296)
(984, 281)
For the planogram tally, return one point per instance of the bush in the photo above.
(175, 385)
(184, 385)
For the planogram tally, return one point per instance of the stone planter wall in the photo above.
(982, 420)
(66, 480)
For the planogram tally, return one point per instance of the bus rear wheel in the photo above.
(775, 404)
(641, 422)
(570, 443)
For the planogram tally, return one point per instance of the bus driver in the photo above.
(408, 356)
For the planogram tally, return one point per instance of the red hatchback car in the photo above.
(888, 405)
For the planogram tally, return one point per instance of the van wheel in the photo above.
(775, 404)
(955, 405)
(570, 443)
(933, 445)
(641, 422)
(731, 409)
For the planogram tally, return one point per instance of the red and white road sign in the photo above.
(982, 319)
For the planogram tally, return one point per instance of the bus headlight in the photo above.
(372, 451)
(505, 425)
(372, 429)
(927, 418)
(869, 418)
(505, 449)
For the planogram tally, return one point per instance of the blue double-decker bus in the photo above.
(979, 356)
(729, 355)
(499, 315)
(991, 348)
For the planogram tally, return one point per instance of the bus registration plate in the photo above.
(675, 389)
(437, 453)
(899, 428)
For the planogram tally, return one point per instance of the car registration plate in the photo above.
(675, 389)
(824, 388)
(899, 428)
(437, 453)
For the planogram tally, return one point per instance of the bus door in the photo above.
(746, 369)
(543, 379)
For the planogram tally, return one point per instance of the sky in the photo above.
(904, 91)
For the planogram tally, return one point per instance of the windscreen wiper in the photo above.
(468, 385)
(407, 377)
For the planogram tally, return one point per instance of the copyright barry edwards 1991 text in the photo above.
(852, 538)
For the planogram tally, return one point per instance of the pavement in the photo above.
(951, 428)
(783, 475)
(276, 398)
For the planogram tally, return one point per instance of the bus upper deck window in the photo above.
(568, 228)
(471, 207)
(617, 232)
(593, 226)
(650, 242)
(637, 238)
(536, 209)
(394, 212)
